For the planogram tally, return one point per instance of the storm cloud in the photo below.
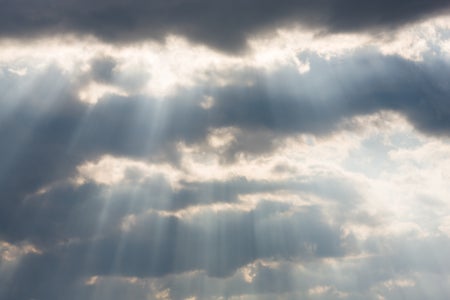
(224, 25)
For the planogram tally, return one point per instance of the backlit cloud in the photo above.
(224, 150)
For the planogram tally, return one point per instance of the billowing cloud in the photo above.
(309, 166)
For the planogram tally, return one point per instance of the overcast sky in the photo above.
(205, 149)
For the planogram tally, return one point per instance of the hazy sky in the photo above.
(241, 149)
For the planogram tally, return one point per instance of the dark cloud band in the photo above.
(222, 24)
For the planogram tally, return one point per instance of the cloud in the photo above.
(223, 25)
(102, 69)
(61, 131)
(55, 132)
(309, 217)
(347, 277)
(158, 245)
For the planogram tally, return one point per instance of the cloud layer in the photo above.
(224, 25)
(317, 172)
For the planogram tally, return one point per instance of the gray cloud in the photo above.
(408, 258)
(55, 132)
(222, 24)
(287, 102)
(102, 69)
(67, 213)
(46, 133)
(157, 246)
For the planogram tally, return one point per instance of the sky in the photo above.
(206, 149)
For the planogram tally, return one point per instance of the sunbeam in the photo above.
(224, 150)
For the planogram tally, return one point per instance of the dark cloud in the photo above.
(66, 212)
(316, 102)
(174, 246)
(156, 246)
(221, 24)
(102, 69)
